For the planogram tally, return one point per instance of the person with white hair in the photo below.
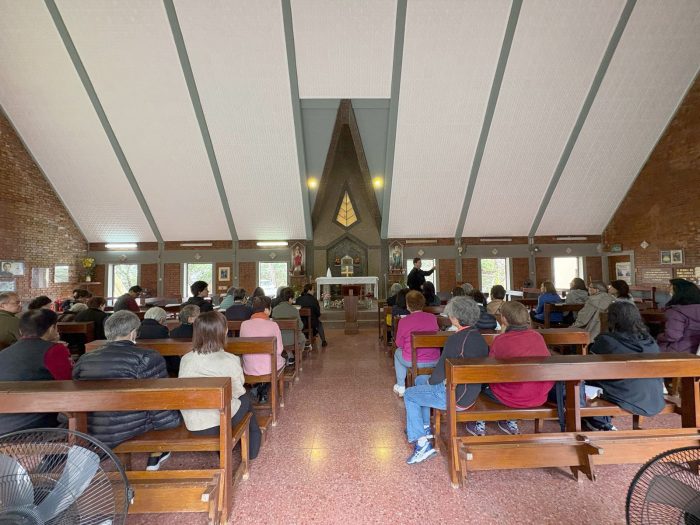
(121, 358)
(153, 324)
(467, 287)
(429, 391)
(69, 315)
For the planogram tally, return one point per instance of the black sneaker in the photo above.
(154, 462)
(324, 343)
(291, 361)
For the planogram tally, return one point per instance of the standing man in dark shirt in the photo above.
(96, 314)
(416, 277)
(128, 300)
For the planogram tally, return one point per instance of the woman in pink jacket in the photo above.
(260, 325)
(417, 321)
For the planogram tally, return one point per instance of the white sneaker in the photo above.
(399, 390)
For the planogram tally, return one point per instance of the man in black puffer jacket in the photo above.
(122, 359)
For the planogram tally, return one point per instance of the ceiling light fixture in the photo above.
(312, 183)
(571, 238)
(377, 182)
(195, 244)
(496, 239)
(267, 244)
(120, 245)
(421, 241)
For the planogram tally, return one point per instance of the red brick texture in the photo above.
(470, 271)
(521, 272)
(247, 276)
(663, 205)
(447, 274)
(149, 279)
(36, 227)
(594, 268)
(543, 270)
(172, 280)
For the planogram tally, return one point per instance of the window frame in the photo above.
(185, 273)
(581, 263)
(433, 278)
(509, 274)
(110, 276)
(257, 271)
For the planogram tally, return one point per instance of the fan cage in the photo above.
(680, 464)
(43, 452)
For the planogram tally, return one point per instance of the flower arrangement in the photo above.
(89, 266)
(326, 300)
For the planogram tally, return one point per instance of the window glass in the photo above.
(61, 273)
(493, 272)
(565, 269)
(123, 277)
(272, 275)
(427, 265)
(197, 272)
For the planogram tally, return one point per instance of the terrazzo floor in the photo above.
(337, 456)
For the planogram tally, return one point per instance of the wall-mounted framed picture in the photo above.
(61, 273)
(298, 254)
(396, 258)
(7, 285)
(676, 256)
(40, 277)
(224, 273)
(11, 268)
(665, 256)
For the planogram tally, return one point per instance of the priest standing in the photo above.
(416, 277)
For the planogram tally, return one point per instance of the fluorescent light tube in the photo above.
(271, 243)
(120, 245)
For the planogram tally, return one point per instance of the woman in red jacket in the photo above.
(516, 340)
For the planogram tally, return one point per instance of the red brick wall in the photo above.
(594, 268)
(543, 270)
(36, 227)
(149, 278)
(521, 272)
(447, 278)
(663, 205)
(172, 280)
(470, 271)
(247, 277)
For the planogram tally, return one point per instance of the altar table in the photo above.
(327, 281)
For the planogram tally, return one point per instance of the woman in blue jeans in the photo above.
(429, 391)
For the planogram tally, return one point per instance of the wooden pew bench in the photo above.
(575, 449)
(553, 337)
(202, 490)
(561, 308)
(305, 314)
(290, 325)
(238, 346)
(87, 329)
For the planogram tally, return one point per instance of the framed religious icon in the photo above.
(676, 256)
(298, 252)
(395, 258)
(11, 268)
(7, 285)
(665, 256)
(224, 273)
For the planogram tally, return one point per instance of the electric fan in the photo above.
(666, 490)
(60, 477)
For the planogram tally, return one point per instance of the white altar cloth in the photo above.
(369, 280)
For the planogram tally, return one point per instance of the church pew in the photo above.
(199, 490)
(291, 325)
(381, 324)
(575, 449)
(305, 314)
(552, 337)
(87, 329)
(561, 308)
(238, 346)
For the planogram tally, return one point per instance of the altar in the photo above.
(327, 281)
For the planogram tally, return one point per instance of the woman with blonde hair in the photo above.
(209, 359)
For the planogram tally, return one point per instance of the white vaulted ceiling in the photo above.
(251, 130)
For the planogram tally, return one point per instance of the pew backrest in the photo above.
(87, 328)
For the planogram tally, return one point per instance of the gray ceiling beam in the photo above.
(583, 114)
(199, 112)
(296, 112)
(101, 115)
(490, 110)
(399, 34)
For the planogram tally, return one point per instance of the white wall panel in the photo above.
(450, 55)
(128, 50)
(47, 103)
(238, 56)
(344, 49)
(656, 60)
(556, 51)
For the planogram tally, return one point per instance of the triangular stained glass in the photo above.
(346, 213)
